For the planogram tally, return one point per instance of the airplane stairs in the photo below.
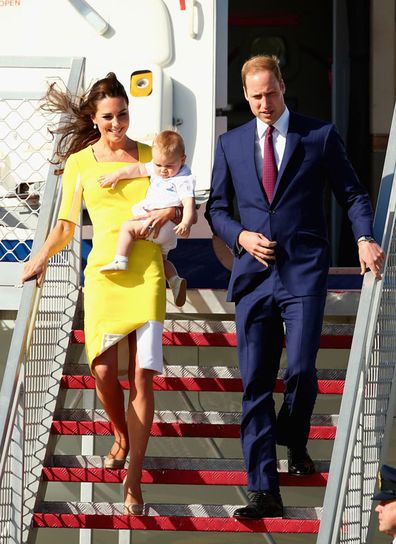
(193, 475)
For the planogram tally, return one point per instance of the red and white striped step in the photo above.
(201, 378)
(333, 337)
(173, 470)
(177, 424)
(172, 517)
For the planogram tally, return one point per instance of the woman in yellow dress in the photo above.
(124, 312)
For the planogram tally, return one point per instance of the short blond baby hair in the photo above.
(169, 142)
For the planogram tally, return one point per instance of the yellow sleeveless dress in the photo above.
(118, 303)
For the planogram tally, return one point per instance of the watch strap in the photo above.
(365, 239)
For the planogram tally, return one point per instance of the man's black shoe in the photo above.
(262, 504)
(300, 463)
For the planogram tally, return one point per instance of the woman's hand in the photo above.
(35, 268)
(58, 238)
(155, 220)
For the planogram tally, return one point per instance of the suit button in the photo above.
(272, 212)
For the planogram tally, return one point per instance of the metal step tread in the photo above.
(171, 463)
(202, 378)
(176, 424)
(218, 371)
(223, 339)
(172, 517)
(180, 416)
(207, 325)
(175, 477)
(196, 510)
(174, 471)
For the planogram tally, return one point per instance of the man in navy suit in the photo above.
(279, 276)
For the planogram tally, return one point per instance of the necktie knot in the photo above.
(270, 170)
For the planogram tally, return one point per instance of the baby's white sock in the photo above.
(172, 280)
(121, 259)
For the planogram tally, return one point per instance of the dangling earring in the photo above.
(95, 126)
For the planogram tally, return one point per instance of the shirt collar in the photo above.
(281, 125)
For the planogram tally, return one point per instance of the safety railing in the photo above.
(25, 146)
(39, 342)
(367, 406)
(24, 151)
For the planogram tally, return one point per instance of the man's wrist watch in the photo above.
(365, 239)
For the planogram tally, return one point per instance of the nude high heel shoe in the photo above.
(111, 462)
(132, 508)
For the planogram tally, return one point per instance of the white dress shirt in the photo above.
(279, 142)
(278, 138)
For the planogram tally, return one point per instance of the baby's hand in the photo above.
(183, 230)
(108, 180)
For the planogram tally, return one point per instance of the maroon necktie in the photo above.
(270, 171)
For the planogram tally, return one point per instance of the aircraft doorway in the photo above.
(324, 53)
(300, 34)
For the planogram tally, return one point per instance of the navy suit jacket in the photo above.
(295, 219)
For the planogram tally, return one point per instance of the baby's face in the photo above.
(167, 166)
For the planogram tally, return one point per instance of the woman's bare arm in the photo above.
(58, 239)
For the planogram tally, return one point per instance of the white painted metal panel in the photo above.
(126, 36)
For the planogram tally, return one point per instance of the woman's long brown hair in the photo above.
(77, 130)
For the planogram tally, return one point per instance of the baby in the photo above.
(171, 184)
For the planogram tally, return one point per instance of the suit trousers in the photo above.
(264, 317)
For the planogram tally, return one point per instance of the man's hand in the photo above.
(258, 246)
(371, 256)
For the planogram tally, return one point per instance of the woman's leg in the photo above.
(139, 419)
(111, 396)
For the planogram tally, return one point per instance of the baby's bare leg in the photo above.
(178, 285)
(169, 269)
(129, 232)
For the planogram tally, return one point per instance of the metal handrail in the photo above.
(366, 410)
(28, 307)
(13, 401)
(23, 326)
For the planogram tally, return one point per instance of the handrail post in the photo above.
(30, 368)
(367, 405)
